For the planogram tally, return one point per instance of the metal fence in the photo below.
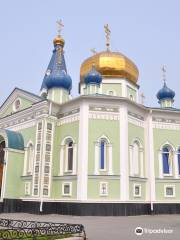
(19, 229)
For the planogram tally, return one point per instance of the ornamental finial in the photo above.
(164, 74)
(108, 32)
(60, 26)
(93, 50)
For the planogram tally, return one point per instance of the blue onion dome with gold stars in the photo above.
(165, 93)
(56, 75)
(93, 76)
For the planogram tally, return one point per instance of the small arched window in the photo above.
(166, 158)
(103, 153)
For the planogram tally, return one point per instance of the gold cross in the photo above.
(108, 32)
(60, 26)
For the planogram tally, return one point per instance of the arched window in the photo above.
(103, 153)
(167, 159)
(70, 156)
(29, 158)
(136, 157)
(179, 161)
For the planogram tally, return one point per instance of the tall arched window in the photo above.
(29, 158)
(136, 157)
(166, 157)
(179, 161)
(103, 154)
(70, 156)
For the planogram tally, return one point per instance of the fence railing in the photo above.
(20, 229)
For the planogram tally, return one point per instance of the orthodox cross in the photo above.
(60, 26)
(108, 32)
(142, 98)
(93, 50)
(164, 74)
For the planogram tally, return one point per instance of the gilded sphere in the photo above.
(59, 41)
(110, 65)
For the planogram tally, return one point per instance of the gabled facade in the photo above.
(101, 153)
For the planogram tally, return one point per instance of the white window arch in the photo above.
(68, 153)
(103, 155)
(167, 162)
(29, 158)
(136, 154)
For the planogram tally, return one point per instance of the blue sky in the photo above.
(148, 32)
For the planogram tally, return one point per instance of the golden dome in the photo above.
(59, 41)
(110, 65)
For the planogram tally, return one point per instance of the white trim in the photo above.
(100, 189)
(70, 189)
(82, 179)
(169, 186)
(160, 160)
(124, 180)
(27, 188)
(5, 167)
(134, 192)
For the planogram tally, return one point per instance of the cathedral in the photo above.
(101, 153)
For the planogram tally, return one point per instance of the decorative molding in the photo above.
(68, 119)
(69, 113)
(165, 120)
(136, 121)
(103, 109)
(135, 115)
(104, 115)
(168, 126)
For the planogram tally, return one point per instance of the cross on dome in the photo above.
(60, 26)
(108, 32)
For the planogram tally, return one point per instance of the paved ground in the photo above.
(109, 228)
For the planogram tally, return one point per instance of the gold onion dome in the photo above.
(110, 65)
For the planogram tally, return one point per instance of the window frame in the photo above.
(134, 192)
(100, 189)
(70, 189)
(105, 154)
(170, 165)
(169, 186)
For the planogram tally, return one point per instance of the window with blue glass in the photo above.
(103, 145)
(166, 160)
(179, 161)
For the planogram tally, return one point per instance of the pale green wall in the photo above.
(24, 104)
(143, 190)
(160, 190)
(56, 192)
(113, 189)
(29, 134)
(69, 129)
(14, 186)
(116, 87)
(131, 91)
(110, 129)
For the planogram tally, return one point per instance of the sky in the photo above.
(147, 32)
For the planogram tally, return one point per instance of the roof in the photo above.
(13, 139)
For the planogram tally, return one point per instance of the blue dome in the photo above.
(93, 77)
(165, 93)
(60, 79)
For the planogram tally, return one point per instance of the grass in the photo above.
(12, 234)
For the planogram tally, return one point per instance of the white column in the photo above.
(124, 89)
(82, 178)
(110, 159)
(96, 162)
(160, 165)
(5, 167)
(141, 163)
(175, 161)
(131, 160)
(124, 179)
(61, 160)
(74, 158)
(151, 179)
(25, 162)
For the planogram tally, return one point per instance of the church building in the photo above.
(101, 153)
